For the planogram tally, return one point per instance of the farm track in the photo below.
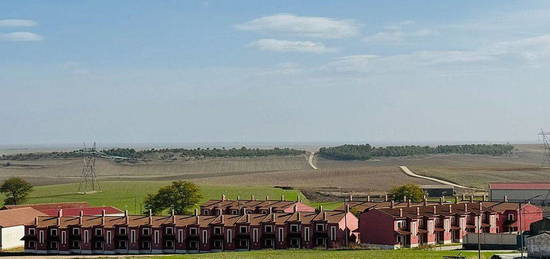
(310, 160)
(410, 173)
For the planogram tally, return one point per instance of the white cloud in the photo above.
(398, 33)
(304, 26)
(290, 46)
(17, 23)
(20, 36)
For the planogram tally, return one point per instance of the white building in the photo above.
(538, 246)
(12, 226)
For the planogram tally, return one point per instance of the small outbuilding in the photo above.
(538, 246)
(438, 190)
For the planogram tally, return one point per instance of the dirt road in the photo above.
(408, 172)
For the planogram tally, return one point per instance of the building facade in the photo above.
(12, 225)
(188, 233)
(537, 193)
(414, 226)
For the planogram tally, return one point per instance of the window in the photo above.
(53, 245)
(320, 227)
(217, 230)
(53, 232)
(243, 243)
(294, 228)
(193, 231)
(156, 237)
(234, 212)
(98, 245)
(243, 229)
(333, 233)
(511, 217)
(294, 243)
(254, 235)
(32, 245)
(193, 245)
(41, 237)
(205, 236)
(76, 231)
(133, 236)
(75, 244)
(217, 244)
(268, 229)
(268, 243)
(146, 245)
(169, 244)
(145, 232)
(205, 212)
(281, 235)
(169, 230)
(109, 237)
(32, 231)
(86, 237)
(98, 231)
(229, 236)
(320, 242)
(63, 237)
(122, 244)
(306, 234)
(401, 224)
(180, 235)
(122, 231)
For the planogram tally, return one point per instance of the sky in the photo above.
(273, 71)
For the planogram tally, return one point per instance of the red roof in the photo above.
(18, 217)
(42, 206)
(519, 186)
(93, 211)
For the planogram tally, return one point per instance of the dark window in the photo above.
(320, 227)
(146, 245)
(32, 244)
(217, 244)
(217, 230)
(98, 245)
(75, 244)
(243, 229)
(76, 231)
(268, 229)
(122, 231)
(268, 242)
(205, 212)
(32, 231)
(193, 245)
(122, 244)
(169, 231)
(169, 244)
(98, 231)
(293, 228)
(145, 232)
(53, 245)
(193, 231)
(53, 232)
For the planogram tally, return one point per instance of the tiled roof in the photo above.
(251, 204)
(519, 186)
(45, 206)
(449, 209)
(364, 205)
(92, 211)
(184, 220)
(18, 216)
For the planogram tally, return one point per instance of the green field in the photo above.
(315, 254)
(129, 195)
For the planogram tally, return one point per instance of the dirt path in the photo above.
(310, 160)
(410, 173)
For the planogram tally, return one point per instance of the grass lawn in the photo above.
(315, 254)
(130, 194)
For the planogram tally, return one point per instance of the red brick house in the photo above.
(412, 226)
(238, 206)
(188, 233)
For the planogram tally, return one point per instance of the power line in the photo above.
(546, 141)
(88, 181)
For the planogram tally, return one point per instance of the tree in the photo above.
(16, 190)
(411, 191)
(180, 196)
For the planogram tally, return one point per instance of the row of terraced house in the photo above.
(228, 225)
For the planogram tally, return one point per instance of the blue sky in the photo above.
(273, 71)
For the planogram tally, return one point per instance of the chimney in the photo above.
(126, 219)
(102, 217)
(294, 208)
(247, 218)
(465, 207)
(484, 197)
(435, 209)
(220, 211)
(223, 197)
(505, 198)
(298, 216)
(252, 197)
(80, 216)
(150, 217)
(270, 210)
(471, 198)
(450, 208)
(368, 198)
(197, 220)
(320, 208)
(400, 212)
(463, 197)
(196, 212)
(173, 217)
(347, 208)
(238, 197)
(60, 213)
(282, 197)
(392, 204)
(324, 215)
(405, 198)
(456, 199)
(425, 201)
(297, 198)
(273, 216)
(409, 203)
(417, 211)
(480, 206)
(221, 218)
(386, 197)
(440, 200)
(350, 197)
(266, 197)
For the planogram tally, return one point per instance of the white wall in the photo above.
(539, 245)
(11, 237)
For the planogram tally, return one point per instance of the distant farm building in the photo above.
(438, 190)
(520, 192)
(538, 246)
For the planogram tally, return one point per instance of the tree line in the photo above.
(366, 151)
(133, 154)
